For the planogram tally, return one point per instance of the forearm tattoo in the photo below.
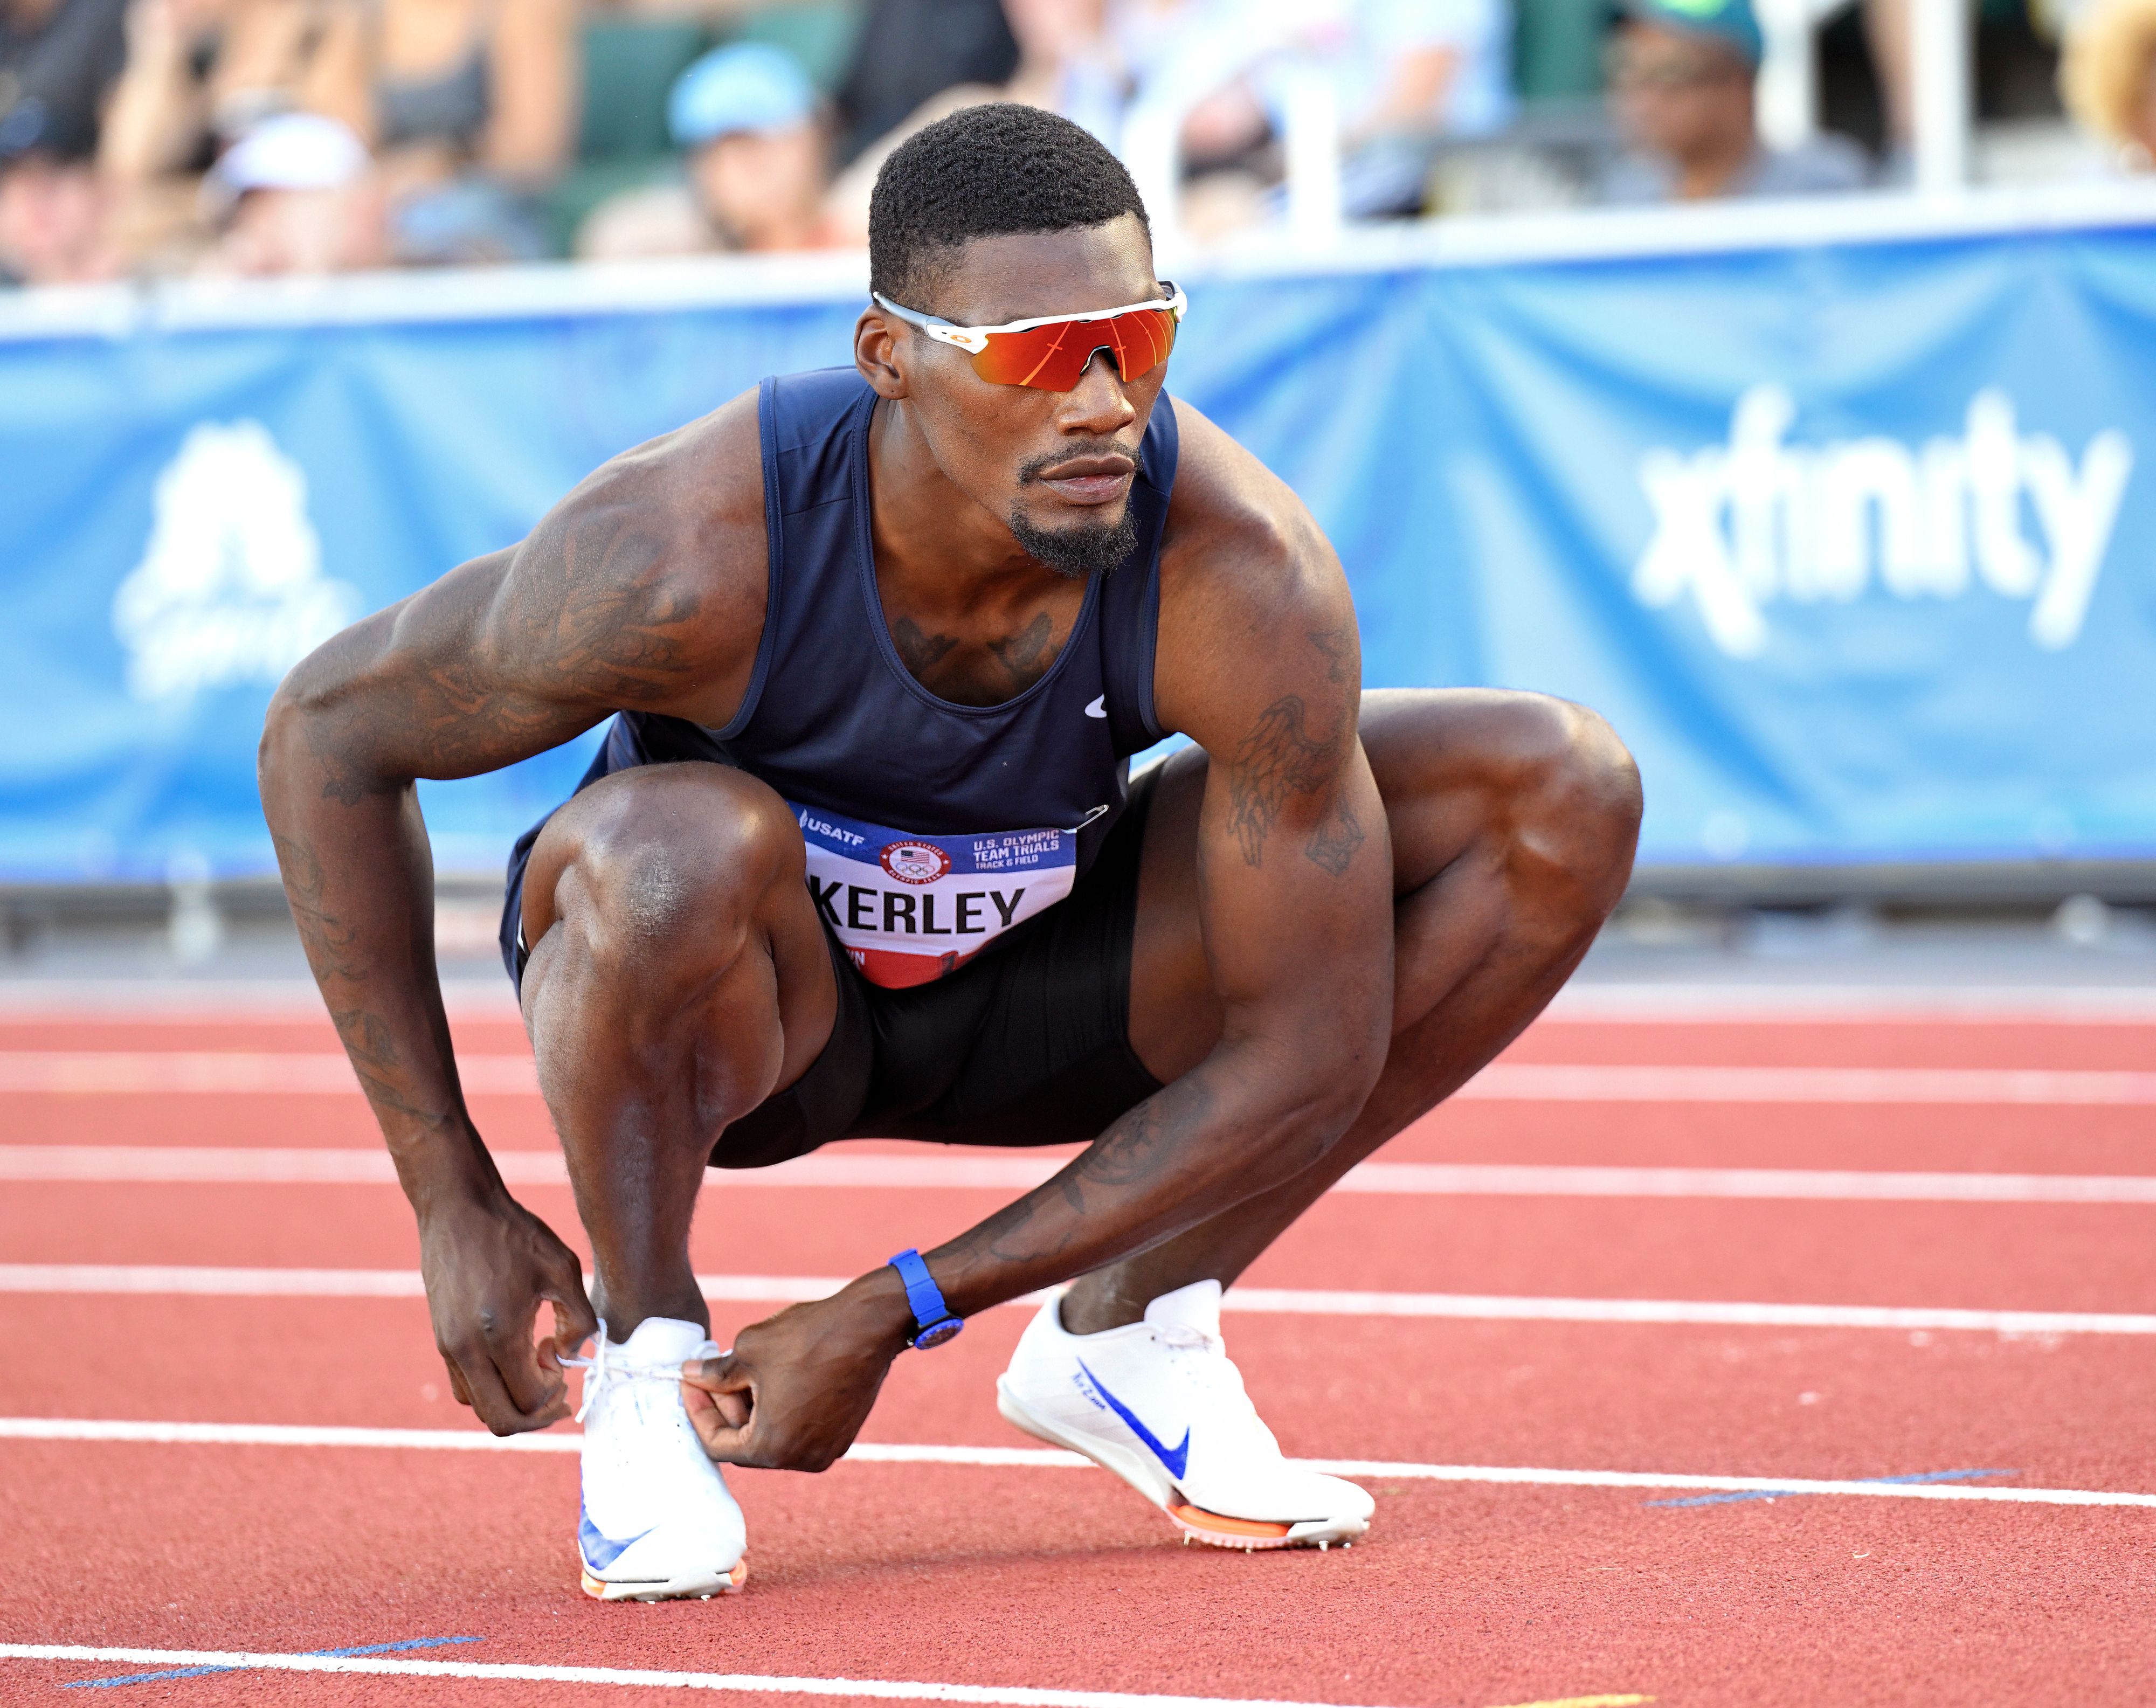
(1133, 1155)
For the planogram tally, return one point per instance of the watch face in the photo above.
(938, 1332)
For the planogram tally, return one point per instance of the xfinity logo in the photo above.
(1740, 526)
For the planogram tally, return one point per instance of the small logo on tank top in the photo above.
(915, 862)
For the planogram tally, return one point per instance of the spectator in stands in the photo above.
(57, 59)
(1402, 73)
(1887, 39)
(296, 193)
(53, 220)
(1681, 81)
(201, 72)
(909, 50)
(1423, 67)
(473, 106)
(756, 165)
(467, 104)
(2108, 77)
(1066, 65)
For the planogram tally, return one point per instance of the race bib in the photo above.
(910, 909)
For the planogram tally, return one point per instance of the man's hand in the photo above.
(796, 1388)
(488, 1262)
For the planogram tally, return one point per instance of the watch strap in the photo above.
(924, 1297)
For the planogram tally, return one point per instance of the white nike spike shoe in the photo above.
(1161, 1405)
(657, 1522)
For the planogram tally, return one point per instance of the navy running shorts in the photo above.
(1028, 1043)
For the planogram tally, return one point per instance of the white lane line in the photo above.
(224, 1072)
(242, 1164)
(1698, 1004)
(203, 1281)
(228, 1072)
(1475, 1307)
(206, 1281)
(1536, 1180)
(1557, 1082)
(197, 1002)
(758, 1684)
(168, 1435)
(214, 1001)
(189, 1281)
(292, 1166)
(108, 1429)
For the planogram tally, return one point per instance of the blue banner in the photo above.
(1852, 543)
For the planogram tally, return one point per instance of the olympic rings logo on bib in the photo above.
(915, 862)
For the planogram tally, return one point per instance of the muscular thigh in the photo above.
(1445, 760)
(675, 879)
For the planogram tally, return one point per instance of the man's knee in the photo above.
(665, 863)
(1573, 806)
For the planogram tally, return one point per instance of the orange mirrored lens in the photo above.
(1052, 357)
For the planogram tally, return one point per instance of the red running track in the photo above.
(1464, 1596)
(2002, 1257)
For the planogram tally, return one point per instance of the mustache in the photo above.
(1031, 470)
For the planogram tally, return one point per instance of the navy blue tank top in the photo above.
(932, 827)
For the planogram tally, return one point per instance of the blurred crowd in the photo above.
(271, 136)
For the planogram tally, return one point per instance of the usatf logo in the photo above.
(1744, 526)
(915, 862)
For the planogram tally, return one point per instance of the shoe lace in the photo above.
(1207, 1363)
(608, 1365)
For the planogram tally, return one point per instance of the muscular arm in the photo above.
(1260, 663)
(601, 608)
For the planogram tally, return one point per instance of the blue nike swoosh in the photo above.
(601, 1551)
(1175, 1458)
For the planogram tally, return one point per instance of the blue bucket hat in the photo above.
(746, 86)
(1732, 22)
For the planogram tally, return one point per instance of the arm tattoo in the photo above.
(1336, 643)
(337, 953)
(604, 621)
(1140, 1147)
(1276, 760)
(1147, 1138)
(1334, 844)
(332, 950)
(589, 620)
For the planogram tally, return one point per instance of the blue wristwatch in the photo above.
(933, 1324)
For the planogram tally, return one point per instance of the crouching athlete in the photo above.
(861, 856)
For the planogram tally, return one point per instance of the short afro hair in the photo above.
(990, 171)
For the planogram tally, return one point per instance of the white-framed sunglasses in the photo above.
(1050, 351)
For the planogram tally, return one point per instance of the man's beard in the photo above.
(1091, 549)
